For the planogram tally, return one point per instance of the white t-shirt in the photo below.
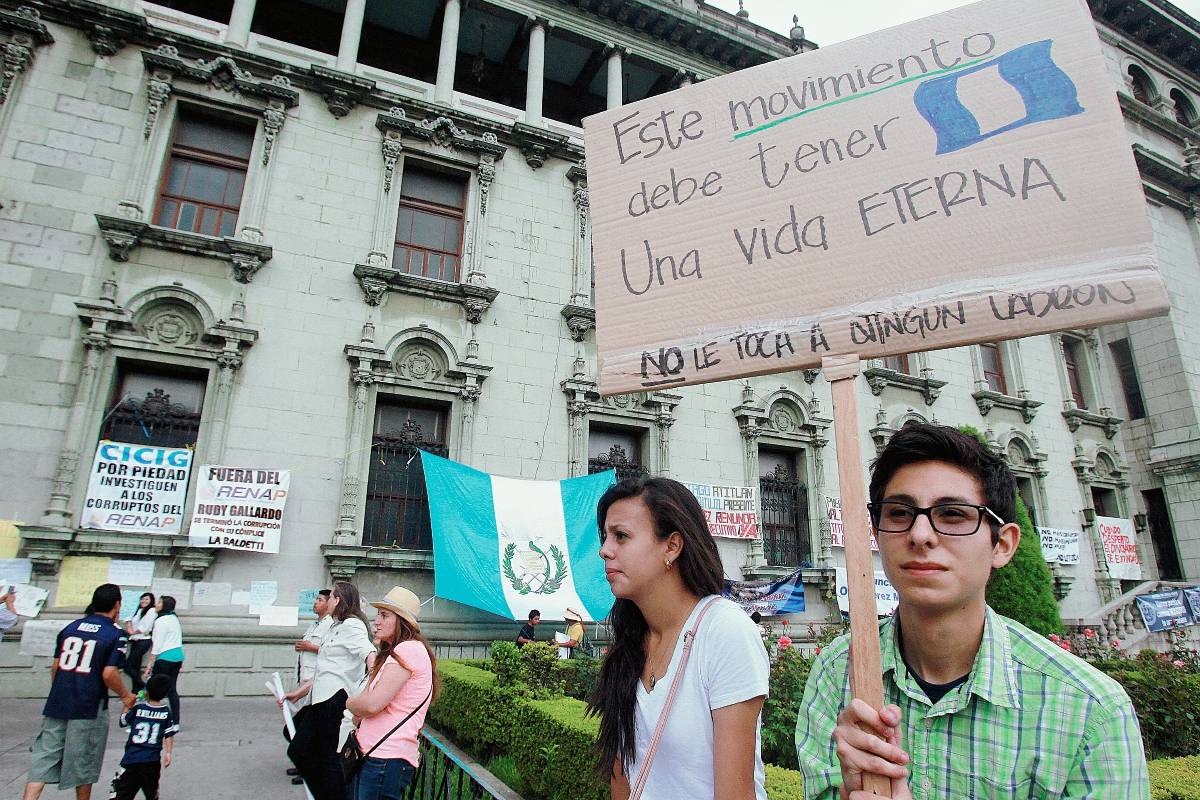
(728, 665)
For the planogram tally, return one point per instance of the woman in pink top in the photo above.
(403, 679)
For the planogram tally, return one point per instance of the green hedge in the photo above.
(550, 740)
(785, 784)
(1175, 779)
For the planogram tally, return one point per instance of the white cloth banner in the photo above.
(886, 596)
(239, 509)
(731, 511)
(1120, 548)
(136, 489)
(1060, 546)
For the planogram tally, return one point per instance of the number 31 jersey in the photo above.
(84, 649)
(149, 725)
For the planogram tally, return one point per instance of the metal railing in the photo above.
(447, 773)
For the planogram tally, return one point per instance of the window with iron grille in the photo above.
(993, 367)
(155, 409)
(1130, 386)
(610, 448)
(896, 363)
(430, 229)
(206, 172)
(397, 502)
(1074, 362)
(784, 500)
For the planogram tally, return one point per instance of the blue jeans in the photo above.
(381, 779)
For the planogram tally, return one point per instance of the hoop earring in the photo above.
(668, 563)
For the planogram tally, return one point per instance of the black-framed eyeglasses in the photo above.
(948, 519)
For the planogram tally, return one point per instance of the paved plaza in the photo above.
(228, 748)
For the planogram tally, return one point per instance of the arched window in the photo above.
(1143, 87)
(1185, 112)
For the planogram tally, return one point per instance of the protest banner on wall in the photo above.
(837, 529)
(39, 637)
(1120, 548)
(731, 511)
(239, 509)
(16, 570)
(1163, 611)
(783, 596)
(1059, 546)
(10, 538)
(78, 577)
(886, 598)
(136, 489)
(180, 589)
(922, 187)
(1191, 595)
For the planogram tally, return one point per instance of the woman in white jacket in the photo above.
(166, 651)
(341, 665)
(139, 628)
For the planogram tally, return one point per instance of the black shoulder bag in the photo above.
(352, 756)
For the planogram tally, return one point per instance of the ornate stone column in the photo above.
(28, 32)
(577, 389)
(1108, 587)
(239, 23)
(345, 532)
(58, 513)
(381, 248)
(662, 424)
(477, 263)
(352, 24)
(535, 76)
(581, 293)
(466, 440)
(443, 90)
(253, 211)
(228, 363)
(751, 418)
(616, 78)
(158, 90)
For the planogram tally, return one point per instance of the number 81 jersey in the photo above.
(84, 649)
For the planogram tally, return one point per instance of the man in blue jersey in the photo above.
(88, 658)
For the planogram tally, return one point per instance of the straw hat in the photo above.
(571, 613)
(402, 602)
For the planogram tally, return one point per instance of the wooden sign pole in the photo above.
(866, 671)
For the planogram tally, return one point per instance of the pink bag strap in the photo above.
(644, 773)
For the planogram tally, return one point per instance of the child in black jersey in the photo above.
(151, 736)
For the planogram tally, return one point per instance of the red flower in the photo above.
(1088, 632)
(1178, 663)
(1054, 637)
(818, 651)
(1065, 646)
(783, 622)
(785, 642)
(1116, 642)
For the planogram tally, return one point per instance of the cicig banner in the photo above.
(1120, 548)
(1059, 546)
(239, 509)
(731, 511)
(136, 489)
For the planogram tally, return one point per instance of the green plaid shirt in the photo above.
(1031, 721)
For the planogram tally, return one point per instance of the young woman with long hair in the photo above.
(139, 628)
(166, 651)
(662, 564)
(403, 683)
(341, 664)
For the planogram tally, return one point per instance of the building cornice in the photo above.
(1156, 25)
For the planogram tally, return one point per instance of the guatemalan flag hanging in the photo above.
(507, 546)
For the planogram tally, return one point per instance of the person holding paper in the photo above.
(88, 656)
(8, 611)
(341, 664)
(306, 665)
(139, 628)
(403, 682)
(575, 632)
(166, 651)
(977, 705)
(686, 668)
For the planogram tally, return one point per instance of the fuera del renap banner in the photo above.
(238, 508)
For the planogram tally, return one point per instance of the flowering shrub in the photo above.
(1167, 701)
(789, 672)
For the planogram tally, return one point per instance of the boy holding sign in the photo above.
(978, 705)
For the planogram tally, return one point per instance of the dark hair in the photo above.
(534, 613)
(325, 593)
(405, 632)
(349, 602)
(168, 605)
(104, 599)
(157, 687)
(919, 443)
(144, 596)
(756, 617)
(673, 509)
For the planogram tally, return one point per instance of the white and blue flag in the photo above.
(507, 546)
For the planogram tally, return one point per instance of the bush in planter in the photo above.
(1167, 701)
(789, 672)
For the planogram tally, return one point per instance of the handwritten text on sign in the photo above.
(928, 186)
(240, 509)
(731, 511)
(1120, 548)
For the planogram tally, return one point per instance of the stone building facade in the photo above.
(319, 235)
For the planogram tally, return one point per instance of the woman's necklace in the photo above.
(650, 659)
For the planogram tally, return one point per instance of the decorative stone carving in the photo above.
(104, 40)
(1077, 417)
(580, 320)
(169, 324)
(158, 89)
(986, 400)
(122, 235)
(340, 90)
(28, 33)
(475, 307)
(273, 119)
(441, 131)
(18, 56)
(879, 378)
(536, 144)
(487, 174)
(392, 149)
(474, 299)
(810, 375)
(374, 288)
(419, 365)
(223, 73)
(578, 176)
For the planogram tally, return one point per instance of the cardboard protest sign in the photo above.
(239, 509)
(837, 528)
(1059, 546)
(77, 580)
(931, 185)
(1120, 548)
(731, 511)
(137, 489)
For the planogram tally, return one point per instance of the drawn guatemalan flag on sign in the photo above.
(1045, 91)
(507, 546)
